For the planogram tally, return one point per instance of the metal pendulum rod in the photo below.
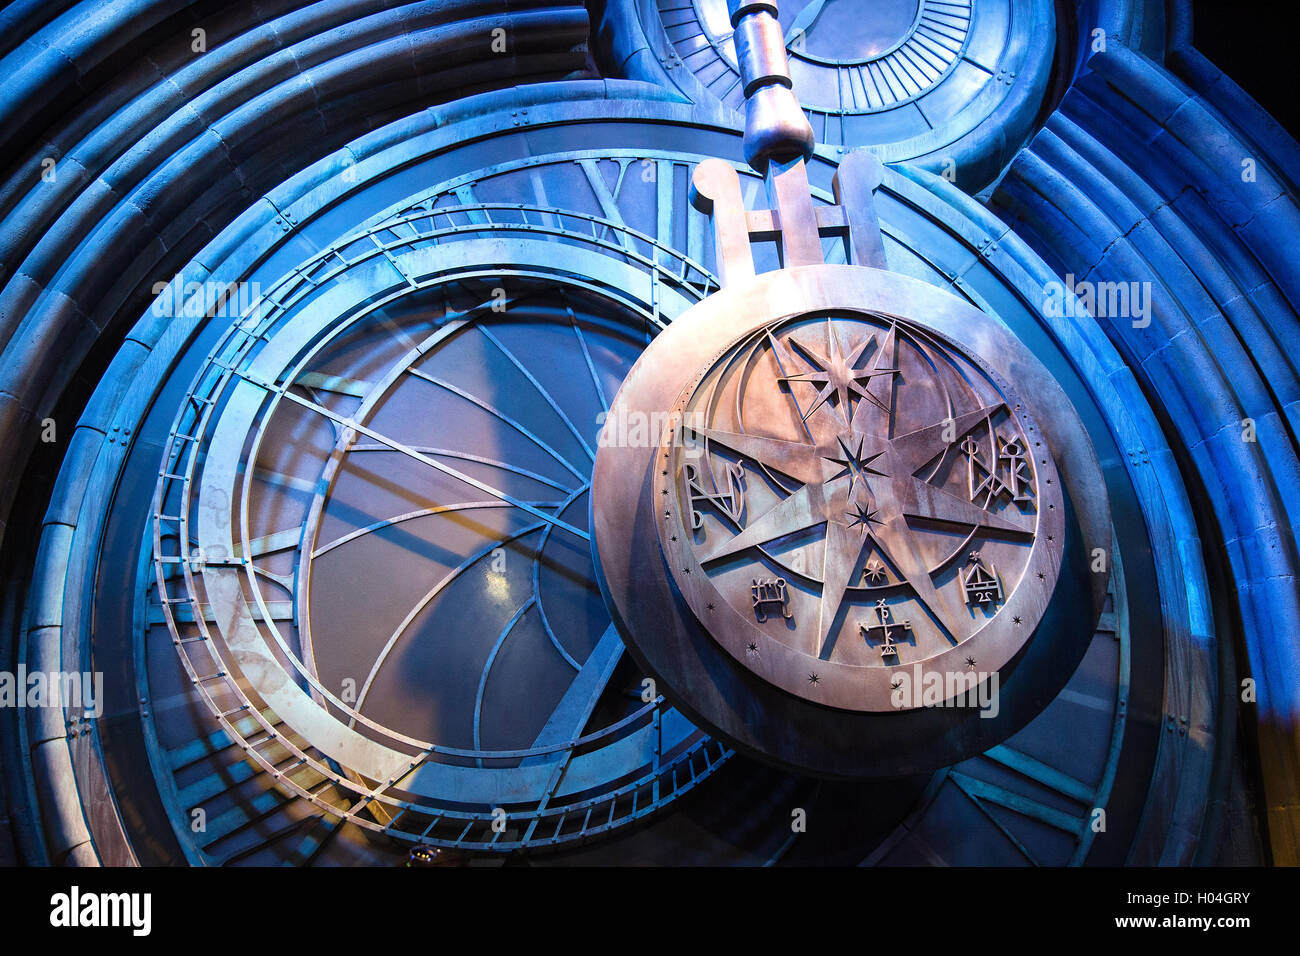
(778, 142)
(778, 137)
(775, 125)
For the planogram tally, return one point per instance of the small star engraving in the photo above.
(752, 648)
(1015, 620)
(861, 516)
(814, 679)
(970, 662)
(874, 572)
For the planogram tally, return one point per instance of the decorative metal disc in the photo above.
(830, 526)
(849, 494)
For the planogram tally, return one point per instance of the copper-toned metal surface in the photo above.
(890, 494)
(738, 614)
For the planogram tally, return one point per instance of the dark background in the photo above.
(1254, 42)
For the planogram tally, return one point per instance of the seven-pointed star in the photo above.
(875, 572)
(861, 474)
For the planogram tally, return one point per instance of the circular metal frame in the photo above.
(389, 781)
(963, 247)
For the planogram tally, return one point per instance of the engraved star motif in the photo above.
(835, 375)
(862, 515)
(857, 467)
(874, 572)
(863, 489)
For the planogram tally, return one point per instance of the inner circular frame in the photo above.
(373, 769)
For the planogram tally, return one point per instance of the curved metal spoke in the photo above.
(496, 412)
(408, 516)
(537, 588)
(412, 453)
(546, 396)
(586, 354)
(487, 667)
(480, 459)
(424, 602)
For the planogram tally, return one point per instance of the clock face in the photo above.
(841, 60)
(914, 78)
(343, 569)
(372, 523)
